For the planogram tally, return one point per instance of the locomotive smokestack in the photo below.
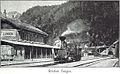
(62, 38)
(63, 43)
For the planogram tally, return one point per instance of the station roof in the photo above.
(21, 25)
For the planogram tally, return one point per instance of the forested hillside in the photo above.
(13, 14)
(98, 21)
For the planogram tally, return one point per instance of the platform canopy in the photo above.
(28, 44)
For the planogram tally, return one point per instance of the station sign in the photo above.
(9, 34)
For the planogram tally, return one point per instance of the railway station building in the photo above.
(20, 41)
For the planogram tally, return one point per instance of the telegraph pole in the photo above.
(5, 12)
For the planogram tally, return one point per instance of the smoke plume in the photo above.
(76, 26)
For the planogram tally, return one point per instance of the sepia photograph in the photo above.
(59, 34)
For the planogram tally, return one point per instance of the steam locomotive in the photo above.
(67, 52)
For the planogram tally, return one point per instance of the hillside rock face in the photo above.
(93, 22)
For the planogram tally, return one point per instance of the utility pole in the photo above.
(5, 12)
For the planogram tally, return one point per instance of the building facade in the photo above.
(23, 41)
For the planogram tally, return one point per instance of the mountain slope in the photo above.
(100, 17)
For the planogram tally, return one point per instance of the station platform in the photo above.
(43, 62)
(27, 61)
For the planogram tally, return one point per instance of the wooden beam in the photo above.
(16, 52)
(53, 52)
(41, 53)
(50, 53)
(46, 53)
(36, 53)
(30, 53)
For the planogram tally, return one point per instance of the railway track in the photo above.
(100, 63)
(87, 64)
(55, 63)
(81, 63)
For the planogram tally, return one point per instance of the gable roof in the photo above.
(21, 25)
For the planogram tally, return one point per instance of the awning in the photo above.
(29, 44)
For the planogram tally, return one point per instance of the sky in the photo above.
(22, 6)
